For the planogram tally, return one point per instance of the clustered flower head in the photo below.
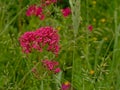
(90, 27)
(34, 10)
(44, 36)
(51, 65)
(48, 2)
(66, 11)
(66, 86)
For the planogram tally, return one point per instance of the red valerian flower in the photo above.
(51, 65)
(34, 10)
(57, 70)
(44, 36)
(31, 10)
(66, 11)
(26, 41)
(38, 11)
(41, 17)
(48, 2)
(90, 27)
(66, 86)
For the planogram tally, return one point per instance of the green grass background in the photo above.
(81, 50)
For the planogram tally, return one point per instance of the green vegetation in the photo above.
(89, 55)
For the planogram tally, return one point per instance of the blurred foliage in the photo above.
(16, 66)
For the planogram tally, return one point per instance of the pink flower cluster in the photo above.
(65, 86)
(66, 11)
(48, 2)
(35, 11)
(90, 27)
(51, 65)
(44, 36)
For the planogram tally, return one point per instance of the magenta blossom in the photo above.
(66, 86)
(26, 41)
(51, 65)
(66, 11)
(48, 2)
(57, 70)
(41, 17)
(37, 40)
(90, 27)
(38, 11)
(31, 10)
(34, 10)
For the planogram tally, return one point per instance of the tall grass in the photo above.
(88, 60)
(116, 53)
(75, 7)
(95, 84)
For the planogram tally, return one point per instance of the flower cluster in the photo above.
(66, 11)
(90, 27)
(35, 11)
(66, 86)
(48, 2)
(44, 36)
(51, 65)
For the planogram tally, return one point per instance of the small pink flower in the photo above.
(48, 2)
(66, 11)
(66, 86)
(57, 70)
(42, 17)
(90, 27)
(34, 10)
(51, 65)
(26, 41)
(31, 10)
(38, 11)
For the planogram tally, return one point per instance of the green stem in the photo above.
(116, 54)
(75, 6)
(87, 37)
